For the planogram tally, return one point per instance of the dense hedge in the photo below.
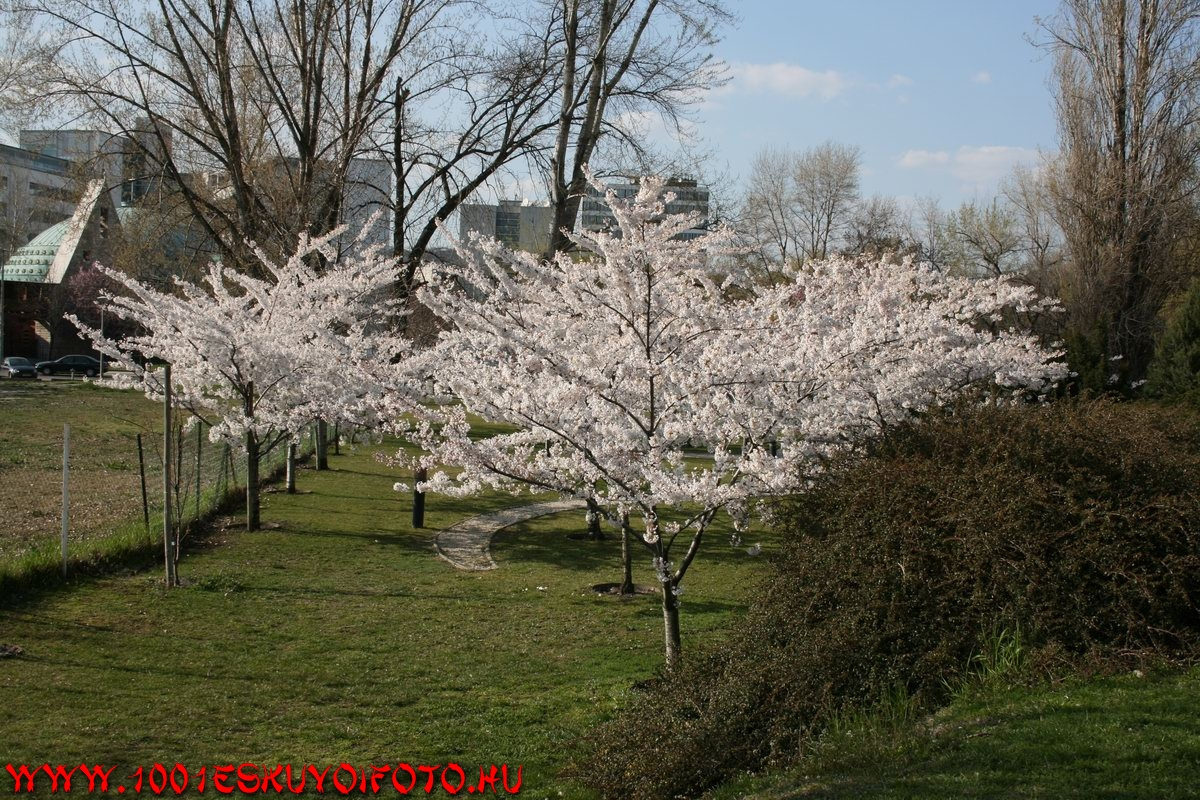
(1075, 522)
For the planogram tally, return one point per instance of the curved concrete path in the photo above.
(466, 545)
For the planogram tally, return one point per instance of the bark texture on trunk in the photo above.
(322, 444)
(253, 520)
(291, 468)
(626, 557)
(670, 609)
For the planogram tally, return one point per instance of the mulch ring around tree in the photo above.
(614, 590)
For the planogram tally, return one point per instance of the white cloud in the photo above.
(790, 79)
(986, 164)
(919, 159)
(898, 80)
(982, 77)
(975, 166)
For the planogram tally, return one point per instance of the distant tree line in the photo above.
(1108, 224)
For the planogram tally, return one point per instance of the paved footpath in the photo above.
(467, 544)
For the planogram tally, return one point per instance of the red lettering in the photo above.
(288, 777)
(23, 772)
(137, 784)
(462, 778)
(180, 787)
(59, 772)
(341, 787)
(487, 780)
(247, 778)
(378, 775)
(504, 773)
(412, 774)
(158, 778)
(319, 777)
(430, 770)
(271, 778)
(221, 774)
(97, 772)
(203, 777)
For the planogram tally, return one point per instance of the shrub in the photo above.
(1073, 523)
(1175, 371)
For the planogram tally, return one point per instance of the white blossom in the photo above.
(642, 345)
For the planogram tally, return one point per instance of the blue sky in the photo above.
(942, 96)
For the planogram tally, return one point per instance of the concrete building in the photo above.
(594, 214)
(368, 191)
(63, 192)
(520, 225)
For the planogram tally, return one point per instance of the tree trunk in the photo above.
(594, 530)
(670, 609)
(418, 509)
(322, 444)
(626, 557)
(667, 583)
(253, 520)
(291, 468)
(172, 574)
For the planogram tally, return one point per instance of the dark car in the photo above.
(78, 365)
(17, 367)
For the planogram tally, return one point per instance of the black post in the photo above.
(142, 471)
(418, 515)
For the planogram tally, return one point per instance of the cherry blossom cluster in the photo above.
(621, 362)
(643, 372)
(266, 355)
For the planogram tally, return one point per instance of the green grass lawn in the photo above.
(341, 637)
(1127, 737)
(337, 635)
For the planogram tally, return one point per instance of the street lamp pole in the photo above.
(4, 265)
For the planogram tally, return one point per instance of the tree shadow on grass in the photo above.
(414, 542)
(515, 545)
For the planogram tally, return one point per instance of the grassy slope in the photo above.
(340, 636)
(105, 487)
(1128, 737)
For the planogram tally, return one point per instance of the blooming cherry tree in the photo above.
(617, 365)
(262, 359)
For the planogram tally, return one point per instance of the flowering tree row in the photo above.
(261, 359)
(616, 363)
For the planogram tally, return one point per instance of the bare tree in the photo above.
(275, 118)
(1126, 84)
(984, 239)
(769, 219)
(826, 180)
(25, 56)
(797, 206)
(877, 226)
(255, 111)
(620, 59)
(1027, 192)
(926, 229)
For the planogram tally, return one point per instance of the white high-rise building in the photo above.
(594, 214)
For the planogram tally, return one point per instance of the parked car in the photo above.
(80, 365)
(17, 367)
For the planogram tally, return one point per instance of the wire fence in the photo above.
(207, 476)
(112, 497)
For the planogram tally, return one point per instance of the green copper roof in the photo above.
(46, 258)
(31, 263)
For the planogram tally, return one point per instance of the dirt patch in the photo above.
(614, 590)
